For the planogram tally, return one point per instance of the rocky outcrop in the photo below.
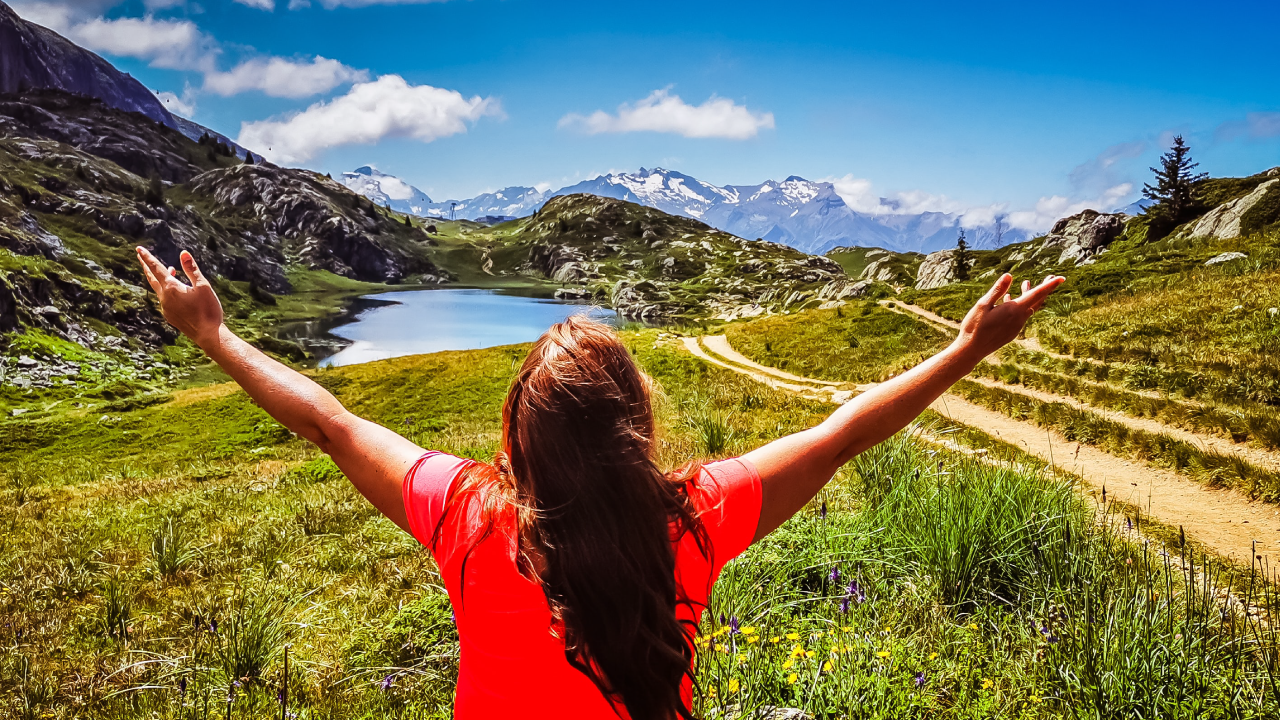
(936, 270)
(1082, 236)
(33, 57)
(1224, 220)
(298, 213)
(843, 290)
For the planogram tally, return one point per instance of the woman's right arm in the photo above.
(374, 458)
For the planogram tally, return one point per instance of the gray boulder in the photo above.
(1082, 236)
(1224, 220)
(936, 270)
(1225, 257)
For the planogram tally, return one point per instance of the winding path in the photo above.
(1222, 519)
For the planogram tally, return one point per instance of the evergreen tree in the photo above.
(962, 259)
(155, 191)
(248, 158)
(407, 221)
(1174, 180)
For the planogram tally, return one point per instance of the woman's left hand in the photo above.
(194, 309)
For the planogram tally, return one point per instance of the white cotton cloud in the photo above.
(168, 44)
(666, 113)
(184, 106)
(278, 77)
(859, 195)
(267, 5)
(387, 107)
(1050, 209)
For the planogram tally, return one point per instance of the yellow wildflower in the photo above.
(986, 683)
(711, 691)
(733, 685)
(847, 629)
(883, 654)
(753, 638)
(793, 636)
(742, 658)
(973, 626)
(721, 648)
(787, 665)
(797, 651)
(933, 656)
(748, 631)
(808, 653)
(826, 666)
(1035, 699)
(775, 639)
(791, 679)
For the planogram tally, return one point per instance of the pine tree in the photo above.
(155, 191)
(962, 259)
(407, 222)
(248, 158)
(1174, 180)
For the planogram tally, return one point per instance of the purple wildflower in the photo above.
(822, 511)
(386, 682)
(855, 592)
(236, 684)
(213, 626)
(919, 679)
(182, 686)
(834, 576)
(844, 606)
(280, 696)
(734, 627)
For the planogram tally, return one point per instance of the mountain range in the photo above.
(804, 214)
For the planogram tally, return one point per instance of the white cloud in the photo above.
(388, 107)
(184, 106)
(267, 5)
(278, 77)
(666, 113)
(168, 44)
(1049, 209)
(859, 195)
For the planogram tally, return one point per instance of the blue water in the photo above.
(427, 321)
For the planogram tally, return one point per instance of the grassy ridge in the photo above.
(860, 342)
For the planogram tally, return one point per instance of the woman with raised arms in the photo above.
(577, 569)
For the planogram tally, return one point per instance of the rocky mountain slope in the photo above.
(810, 216)
(82, 183)
(33, 57)
(650, 265)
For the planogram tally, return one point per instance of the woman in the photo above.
(577, 570)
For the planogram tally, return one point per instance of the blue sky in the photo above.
(1030, 107)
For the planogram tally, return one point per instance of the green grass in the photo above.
(859, 342)
(156, 559)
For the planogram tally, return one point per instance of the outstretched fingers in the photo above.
(1035, 297)
(149, 269)
(997, 291)
(191, 269)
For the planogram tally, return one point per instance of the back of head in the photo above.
(596, 512)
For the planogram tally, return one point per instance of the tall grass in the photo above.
(171, 550)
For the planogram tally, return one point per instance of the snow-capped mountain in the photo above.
(386, 189)
(809, 216)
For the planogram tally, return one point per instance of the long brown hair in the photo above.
(596, 517)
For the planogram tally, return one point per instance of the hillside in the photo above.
(652, 266)
(82, 183)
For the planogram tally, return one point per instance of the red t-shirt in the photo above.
(512, 665)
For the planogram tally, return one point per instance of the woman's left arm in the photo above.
(372, 457)
(794, 468)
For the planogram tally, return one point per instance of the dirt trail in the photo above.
(936, 319)
(719, 344)
(1212, 443)
(1223, 519)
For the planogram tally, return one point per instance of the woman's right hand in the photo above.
(998, 318)
(193, 309)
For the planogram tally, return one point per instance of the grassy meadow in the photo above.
(163, 561)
